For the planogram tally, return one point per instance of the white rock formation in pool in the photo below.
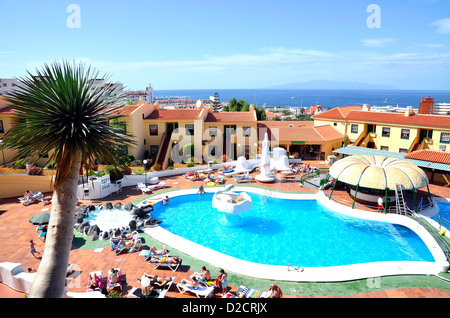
(265, 175)
(231, 203)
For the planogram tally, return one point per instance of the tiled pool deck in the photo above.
(16, 231)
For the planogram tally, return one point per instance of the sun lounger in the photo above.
(207, 283)
(146, 254)
(160, 185)
(42, 236)
(172, 266)
(245, 177)
(226, 171)
(131, 245)
(249, 292)
(99, 281)
(37, 196)
(287, 178)
(143, 188)
(201, 291)
(157, 292)
(117, 285)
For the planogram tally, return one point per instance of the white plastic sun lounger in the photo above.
(201, 291)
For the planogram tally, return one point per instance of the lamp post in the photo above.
(145, 170)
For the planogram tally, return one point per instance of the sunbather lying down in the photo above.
(162, 251)
(165, 259)
(157, 281)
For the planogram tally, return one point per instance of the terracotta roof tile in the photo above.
(337, 112)
(7, 110)
(299, 131)
(400, 118)
(162, 114)
(231, 117)
(430, 155)
(128, 110)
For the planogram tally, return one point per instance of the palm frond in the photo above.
(62, 112)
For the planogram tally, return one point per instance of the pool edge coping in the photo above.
(307, 274)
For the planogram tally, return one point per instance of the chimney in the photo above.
(366, 107)
(409, 111)
(426, 105)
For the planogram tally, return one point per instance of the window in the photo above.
(212, 150)
(334, 124)
(247, 152)
(230, 130)
(212, 131)
(384, 148)
(154, 150)
(2, 130)
(445, 138)
(405, 134)
(189, 129)
(442, 147)
(403, 150)
(354, 129)
(153, 130)
(386, 132)
(247, 131)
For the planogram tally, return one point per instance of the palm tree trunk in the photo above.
(51, 274)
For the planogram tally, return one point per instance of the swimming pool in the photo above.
(281, 231)
(108, 220)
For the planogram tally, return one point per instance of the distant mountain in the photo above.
(323, 84)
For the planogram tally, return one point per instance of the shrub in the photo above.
(138, 171)
(114, 173)
(156, 167)
(190, 164)
(126, 170)
(33, 170)
(19, 164)
(50, 165)
(115, 294)
(100, 173)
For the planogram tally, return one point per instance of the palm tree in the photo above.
(62, 112)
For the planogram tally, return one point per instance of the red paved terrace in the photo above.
(16, 232)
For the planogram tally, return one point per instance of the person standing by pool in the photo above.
(276, 291)
(380, 204)
(222, 281)
(201, 190)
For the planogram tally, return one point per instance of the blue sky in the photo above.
(200, 44)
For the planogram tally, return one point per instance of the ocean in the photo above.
(307, 97)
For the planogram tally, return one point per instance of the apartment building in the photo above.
(183, 135)
(421, 137)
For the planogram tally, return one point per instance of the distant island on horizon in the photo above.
(325, 84)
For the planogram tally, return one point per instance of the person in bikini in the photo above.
(165, 259)
(162, 251)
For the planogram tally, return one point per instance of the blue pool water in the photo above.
(444, 210)
(278, 231)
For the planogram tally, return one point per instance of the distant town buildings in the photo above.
(7, 85)
(135, 96)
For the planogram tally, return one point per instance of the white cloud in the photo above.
(442, 25)
(377, 42)
(267, 57)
